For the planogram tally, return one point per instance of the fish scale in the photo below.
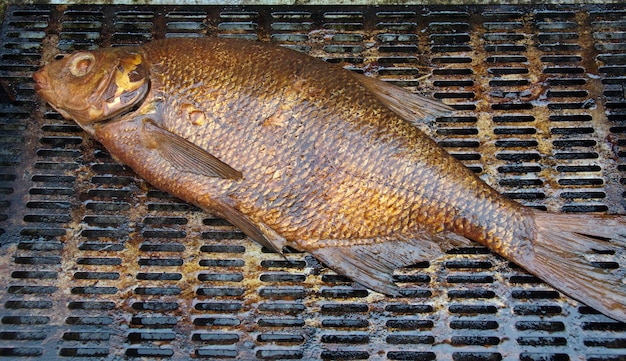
(297, 152)
(385, 158)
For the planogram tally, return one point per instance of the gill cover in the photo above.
(128, 86)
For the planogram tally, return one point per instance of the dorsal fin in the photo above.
(414, 108)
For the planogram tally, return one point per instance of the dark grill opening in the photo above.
(100, 265)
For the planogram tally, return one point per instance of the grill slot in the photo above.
(101, 265)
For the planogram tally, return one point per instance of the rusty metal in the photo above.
(99, 264)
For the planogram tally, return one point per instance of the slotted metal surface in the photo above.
(98, 264)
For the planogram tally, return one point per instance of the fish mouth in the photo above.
(42, 84)
(44, 89)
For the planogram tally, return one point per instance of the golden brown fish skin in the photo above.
(331, 165)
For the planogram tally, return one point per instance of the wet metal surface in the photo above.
(98, 264)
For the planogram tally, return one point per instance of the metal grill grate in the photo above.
(98, 264)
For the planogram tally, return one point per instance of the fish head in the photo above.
(94, 86)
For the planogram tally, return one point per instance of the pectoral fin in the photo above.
(412, 107)
(186, 156)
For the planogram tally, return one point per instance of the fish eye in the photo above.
(81, 64)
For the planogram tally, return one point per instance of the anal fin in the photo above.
(371, 262)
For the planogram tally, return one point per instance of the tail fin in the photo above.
(584, 256)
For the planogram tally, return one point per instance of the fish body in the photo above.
(300, 153)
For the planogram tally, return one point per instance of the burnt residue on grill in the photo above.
(99, 264)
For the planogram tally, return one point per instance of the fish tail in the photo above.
(583, 256)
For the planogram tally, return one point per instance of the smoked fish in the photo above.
(297, 152)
